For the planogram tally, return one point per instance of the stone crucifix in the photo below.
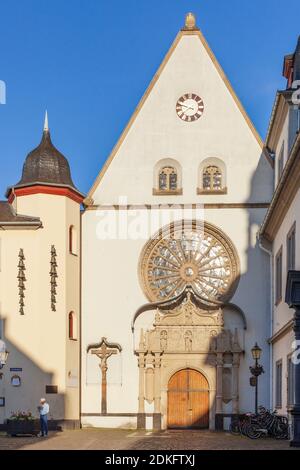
(104, 350)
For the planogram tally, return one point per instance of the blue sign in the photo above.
(16, 369)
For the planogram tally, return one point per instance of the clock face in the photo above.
(190, 107)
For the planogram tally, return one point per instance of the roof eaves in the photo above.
(293, 155)
(40, 183)
(285, 94)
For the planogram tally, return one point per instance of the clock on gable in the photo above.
(190, 107)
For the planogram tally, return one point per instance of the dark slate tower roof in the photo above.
(45, 165)
(291, 66)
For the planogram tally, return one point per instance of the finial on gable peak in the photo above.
(46, 125)
(190, 22)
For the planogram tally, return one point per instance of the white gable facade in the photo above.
(181, 341)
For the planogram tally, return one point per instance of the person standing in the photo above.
(44, 411)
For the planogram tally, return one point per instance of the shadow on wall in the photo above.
(253, 295)
(33, 383)
(247, 321)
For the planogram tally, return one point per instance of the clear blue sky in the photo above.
(89, 61)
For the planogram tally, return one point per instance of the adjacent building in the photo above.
(280, 231)
(39, 287)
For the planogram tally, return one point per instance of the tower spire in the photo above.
(46, 125)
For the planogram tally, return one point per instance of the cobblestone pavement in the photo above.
(116, 439)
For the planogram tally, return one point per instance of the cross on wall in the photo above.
(104, 350)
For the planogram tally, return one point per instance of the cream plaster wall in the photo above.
(38, 341)
(282, 313)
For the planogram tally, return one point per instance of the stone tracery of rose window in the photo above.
(202, 258)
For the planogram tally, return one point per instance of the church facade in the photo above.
(171, 252)
(156, 297)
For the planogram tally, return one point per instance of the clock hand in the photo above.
(192, 109)
(187, 107)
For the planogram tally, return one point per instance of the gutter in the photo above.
(286, 94)
(274, 109)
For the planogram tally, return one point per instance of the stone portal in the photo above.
(190, 351)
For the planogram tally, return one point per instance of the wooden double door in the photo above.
(188, 400)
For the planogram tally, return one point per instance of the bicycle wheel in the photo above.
(282, 431)
(234, 428)
(243, 427)
(253, 431)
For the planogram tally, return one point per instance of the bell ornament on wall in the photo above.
(21, 280)
(53, 277)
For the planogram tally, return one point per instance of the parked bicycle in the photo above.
(265, 423)
(240, 423)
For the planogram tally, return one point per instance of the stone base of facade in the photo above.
(67, 424)
(141, 421)
(150, 421)
(157, 421)
(220, 420)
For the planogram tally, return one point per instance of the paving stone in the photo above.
(118, 439)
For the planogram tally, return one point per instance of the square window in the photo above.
(291, 248)
(280, 162)
(290, 382)
(278, 382)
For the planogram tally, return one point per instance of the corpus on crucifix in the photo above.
(104, 350)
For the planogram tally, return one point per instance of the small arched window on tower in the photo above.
(73, 249)
(212, 177)
(167, 178)
(72, 326)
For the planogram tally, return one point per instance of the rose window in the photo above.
(195, 255)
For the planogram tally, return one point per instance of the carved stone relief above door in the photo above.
(188, 335)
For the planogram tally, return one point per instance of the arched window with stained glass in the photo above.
(212, 178)
(168, 179)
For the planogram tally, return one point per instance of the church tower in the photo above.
(40, 286)
(171, 300)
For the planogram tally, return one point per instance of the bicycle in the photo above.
(268, 424)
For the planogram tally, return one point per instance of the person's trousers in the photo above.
(44, 425)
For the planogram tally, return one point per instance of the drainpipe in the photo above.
(270, 253)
